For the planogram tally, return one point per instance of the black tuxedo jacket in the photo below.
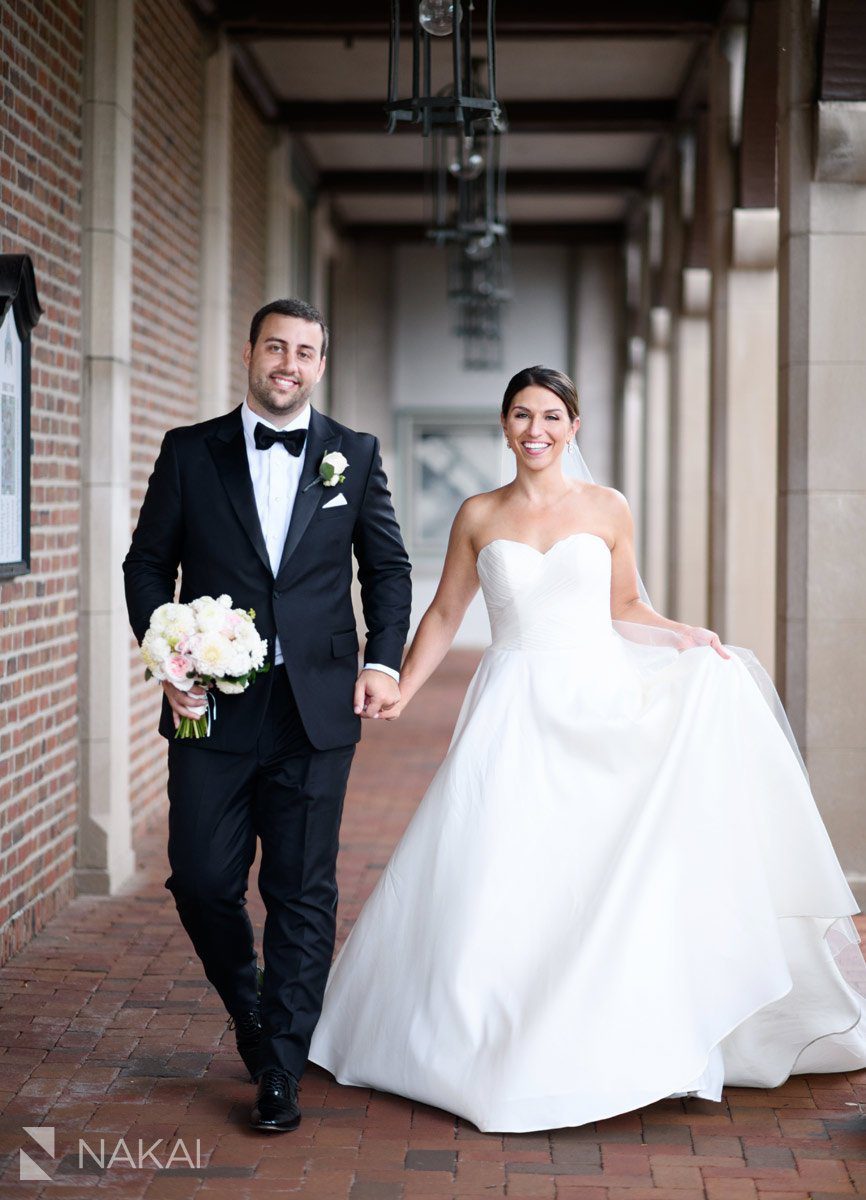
(199, 514)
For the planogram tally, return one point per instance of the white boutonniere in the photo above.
(331, 470)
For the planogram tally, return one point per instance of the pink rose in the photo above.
(177, 668)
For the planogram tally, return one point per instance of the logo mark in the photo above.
(43, 1136)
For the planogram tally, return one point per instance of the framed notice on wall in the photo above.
(19, 312)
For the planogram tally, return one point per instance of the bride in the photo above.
(617, 887)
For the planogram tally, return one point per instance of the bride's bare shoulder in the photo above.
(487, 501)
(606, 503)
(614, 506)
(613, 499)
(475, 514)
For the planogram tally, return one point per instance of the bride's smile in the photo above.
(538, 428)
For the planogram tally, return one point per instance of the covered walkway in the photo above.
(108, 1031)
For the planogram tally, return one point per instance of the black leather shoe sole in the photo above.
(275, 1124)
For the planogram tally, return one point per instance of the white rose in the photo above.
(210, 616)
(154, 652)
(179, 628)
(247, 636)
(230, 689)
(169, 614)
(238, 662)
(224, 600)
(337, 463)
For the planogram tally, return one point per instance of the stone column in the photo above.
(324, 251)
(362, 320)
(691, 385)
(720, 196)
(279, 265)
(105, 857)
(216, 225)
(657, 442)
(821, 648)
(598, 293)
(751, 434)
(632, 459)
(362, 323)
(632, 452)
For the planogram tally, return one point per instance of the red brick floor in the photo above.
(108, 1031)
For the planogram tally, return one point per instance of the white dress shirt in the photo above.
(275, 474)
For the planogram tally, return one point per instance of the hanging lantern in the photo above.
(454, 100)
(461, 95)
(480, 327)
(480, 281)
(467, 189)
(479, 289)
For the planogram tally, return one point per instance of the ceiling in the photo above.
(590, 89)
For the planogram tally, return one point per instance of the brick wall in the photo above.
(251, 141)
(167, 167)
(41, 49)
(41, 87)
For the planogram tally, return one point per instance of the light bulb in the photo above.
(437, 17)
(479, 247)
(469, 164)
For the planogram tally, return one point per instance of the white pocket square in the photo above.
(336, 502)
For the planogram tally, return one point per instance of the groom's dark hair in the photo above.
(290, 308)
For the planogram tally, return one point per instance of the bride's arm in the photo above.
(625, 601)
(439, 625)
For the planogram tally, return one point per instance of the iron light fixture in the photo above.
(458, 102)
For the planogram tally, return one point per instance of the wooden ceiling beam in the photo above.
(562, 232)
(757, 176)
(842, 50)
(514, 18)
(366, 183)
(524, 116)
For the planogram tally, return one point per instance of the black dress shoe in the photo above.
(276, 1109)
(248, 1039)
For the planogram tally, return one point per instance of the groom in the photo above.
(239, 505)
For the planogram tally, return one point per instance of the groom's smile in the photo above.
(285, 384)
(284, 364)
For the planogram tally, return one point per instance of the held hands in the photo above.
(395, 711)
(376, 695)
(189, 704)
(694, 635)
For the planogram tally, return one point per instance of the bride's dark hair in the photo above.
(544, 377)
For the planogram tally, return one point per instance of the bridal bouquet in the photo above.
(207, 642)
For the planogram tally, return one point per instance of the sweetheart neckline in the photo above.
(544, 553)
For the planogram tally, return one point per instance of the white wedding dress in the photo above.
(616, 889)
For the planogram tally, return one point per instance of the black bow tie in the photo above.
(292, 439)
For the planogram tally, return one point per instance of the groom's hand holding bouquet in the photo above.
(192, 647)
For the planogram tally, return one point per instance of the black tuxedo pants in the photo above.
(289, 796)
